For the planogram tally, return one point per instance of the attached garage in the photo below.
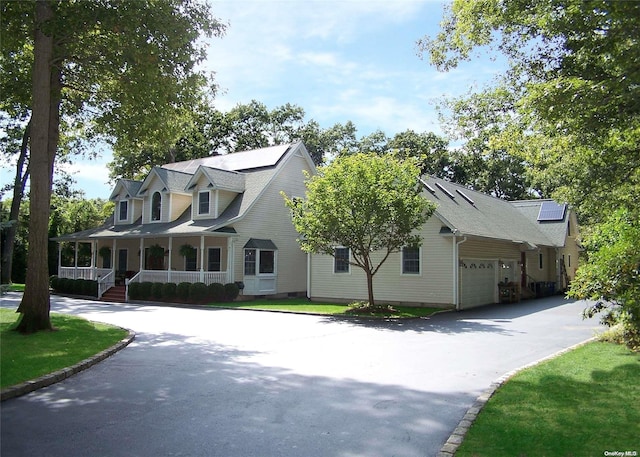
(478, 282)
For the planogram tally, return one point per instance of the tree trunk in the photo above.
(35, 303)
(14, 215)
(370, 287)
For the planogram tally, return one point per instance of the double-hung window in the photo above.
(213, 261)
(341, 260)
(123, 210)
(410, 260)
(203, 202)
(259, 261)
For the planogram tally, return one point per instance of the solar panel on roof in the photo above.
(551, 211)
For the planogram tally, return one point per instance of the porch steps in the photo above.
(115, 294)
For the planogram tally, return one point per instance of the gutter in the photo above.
(456, 269)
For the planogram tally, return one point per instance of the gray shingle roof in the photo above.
(486, 217)
(173, 181)
(556, 231)
(219, 179)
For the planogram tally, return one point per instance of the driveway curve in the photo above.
(227, 383)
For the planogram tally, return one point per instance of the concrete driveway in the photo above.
(241, 383)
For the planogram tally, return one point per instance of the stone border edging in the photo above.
(60, 375)
(452, 444)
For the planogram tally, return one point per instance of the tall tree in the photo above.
(577, 64)
(368, 203)
(126, 69)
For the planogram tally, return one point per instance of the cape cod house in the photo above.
(477, 250)
(215, 219)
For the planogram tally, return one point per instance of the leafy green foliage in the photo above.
(611, 275)
(365, 202)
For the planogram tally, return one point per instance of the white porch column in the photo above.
(201, 258)
(230, 260)
(59, 257)
(75, 262)
(94, 259)
(170, 255)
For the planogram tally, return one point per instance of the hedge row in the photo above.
(197, 292)
(74, 286)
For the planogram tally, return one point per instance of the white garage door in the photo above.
(478, 282)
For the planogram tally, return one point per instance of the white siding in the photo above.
(433, 286)
(179, 203)
(269, 218)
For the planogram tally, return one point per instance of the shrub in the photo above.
(198, 291)
(90, 288)
(231, 291)
(156, 290)
(77, 286)
(64, 285)
(135, 291)
(169, 290)
(54, 281)
(216, 292)
(145, 290)
(182, 291)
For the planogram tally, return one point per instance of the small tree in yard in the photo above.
(368, 203)
(611, 275)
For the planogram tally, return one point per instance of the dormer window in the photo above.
(204, 202)
(123, 210)
(156, 205)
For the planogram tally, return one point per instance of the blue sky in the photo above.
(339, 60)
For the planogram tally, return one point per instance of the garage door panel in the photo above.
(478, 283)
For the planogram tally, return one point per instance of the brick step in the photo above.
(115, 294)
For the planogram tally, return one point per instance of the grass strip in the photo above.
(583, 403)
(26, 357)
(301, 305)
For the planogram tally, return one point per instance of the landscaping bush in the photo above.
(198, 292)
(54, 281)
(216, 292)
(156, 290)
(182, 291)
(90, 288)
(231, 291)
(145, 290)
(135, 291)
(169, 290)
(77, 286)
(65, 285)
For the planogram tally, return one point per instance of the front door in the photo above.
(122, 260)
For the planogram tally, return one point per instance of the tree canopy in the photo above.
(125, 71)
(368, 203)
(574, 71)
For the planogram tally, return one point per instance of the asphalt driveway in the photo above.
(242, 383)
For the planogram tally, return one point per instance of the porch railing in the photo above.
(207, 277)
(105, 283)
(83, 272)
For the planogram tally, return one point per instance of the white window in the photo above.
(156, 206)
(204, 202)
(410, 260)
(341, 260)
(263, 259)
(123, 210)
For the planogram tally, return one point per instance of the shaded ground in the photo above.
(241, 383)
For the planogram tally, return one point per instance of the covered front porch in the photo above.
(161, 259)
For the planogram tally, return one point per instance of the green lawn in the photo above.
(27, 357)
(582, 403)
(302, 305)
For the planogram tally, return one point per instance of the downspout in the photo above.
(308, 275)
(456, 270)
